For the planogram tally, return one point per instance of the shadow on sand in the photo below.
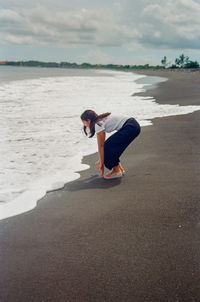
(92, 182)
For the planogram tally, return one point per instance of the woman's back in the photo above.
(111, 123)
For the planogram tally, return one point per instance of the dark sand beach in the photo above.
(126, 240)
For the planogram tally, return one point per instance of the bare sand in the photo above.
(131, 239)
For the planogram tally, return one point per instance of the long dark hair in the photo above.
(94, 118)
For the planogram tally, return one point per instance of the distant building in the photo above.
(3, 62)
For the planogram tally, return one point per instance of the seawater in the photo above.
(42, 142)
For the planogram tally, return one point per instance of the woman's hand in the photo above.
(100, 167)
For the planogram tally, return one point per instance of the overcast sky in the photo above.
(99, 31)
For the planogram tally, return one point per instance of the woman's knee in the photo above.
(136, 131)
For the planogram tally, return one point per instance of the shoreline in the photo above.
(19, 206)
(165, 92)
(130, 239)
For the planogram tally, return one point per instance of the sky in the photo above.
(99, 31)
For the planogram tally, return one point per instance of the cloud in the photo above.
(144, 23)
(83, 26)
(173, 24)
(9, 16)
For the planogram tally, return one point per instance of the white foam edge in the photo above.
(28, 200)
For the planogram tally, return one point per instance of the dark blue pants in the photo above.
(115, 145)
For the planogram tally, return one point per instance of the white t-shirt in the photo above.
(111, 122)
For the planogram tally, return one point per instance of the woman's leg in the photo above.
(115, 145)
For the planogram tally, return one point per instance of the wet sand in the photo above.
(131, 239)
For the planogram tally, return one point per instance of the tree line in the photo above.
(181, 62)
(75, 65)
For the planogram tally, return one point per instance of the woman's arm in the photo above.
(101, 136)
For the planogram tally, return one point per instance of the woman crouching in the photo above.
(110, 150)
